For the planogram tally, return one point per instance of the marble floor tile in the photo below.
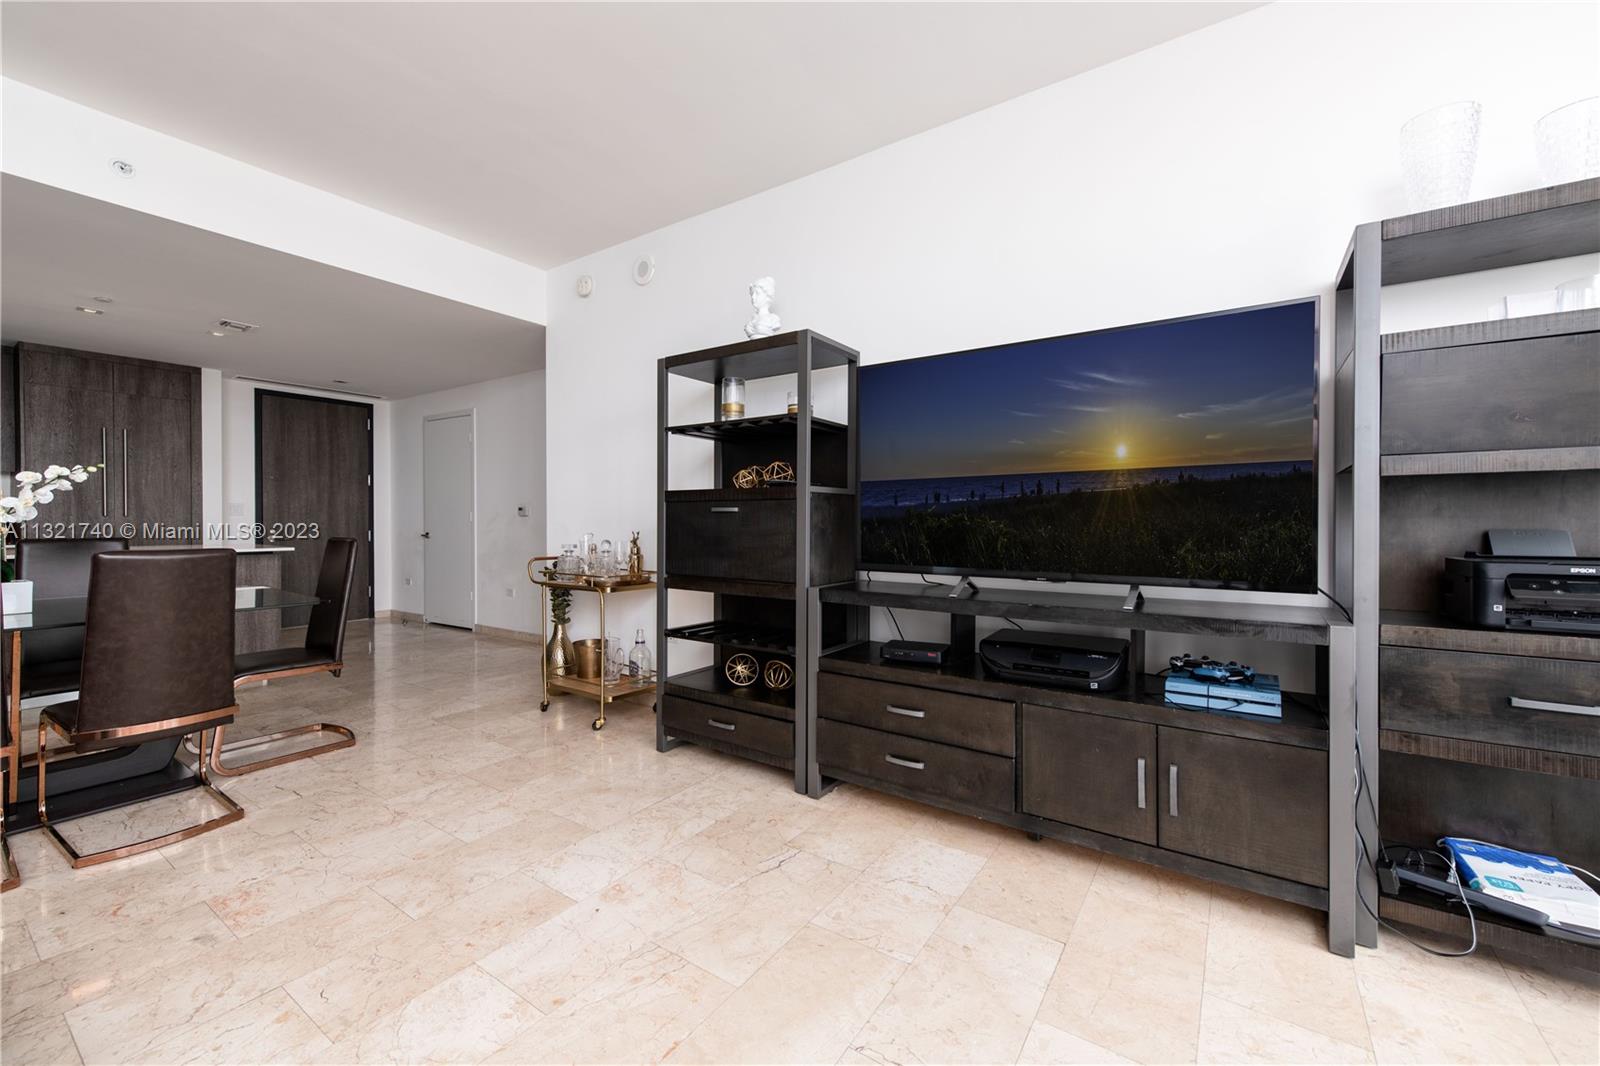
(970, 996)
(454, 873)
(1131, 979)
(272, 1029)
(748, 923)
(1048, 1045)
(463, 1018)
(551, 963)
(802, 1006)
(639, 1012)
(1412, 1025)
(900, 899)
(1565, 1005)
(1272, 957)
(1231, 1033)
(1033, 884)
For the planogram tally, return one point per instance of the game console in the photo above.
(1065, 660)
(1204, 684)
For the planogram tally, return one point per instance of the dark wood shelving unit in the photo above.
(1442, 434)
(757, 551)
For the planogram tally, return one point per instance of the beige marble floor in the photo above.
(479, 882)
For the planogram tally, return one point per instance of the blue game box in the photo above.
(1260, 696)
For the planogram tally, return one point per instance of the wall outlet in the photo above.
(510, 592)
(408, 582)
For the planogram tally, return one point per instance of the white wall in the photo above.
(1222, 169)
(509, 441)
(53, 140)
(228, 417)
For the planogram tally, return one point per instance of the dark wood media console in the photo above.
(1257, 803)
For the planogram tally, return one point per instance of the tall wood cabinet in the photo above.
(140, 419)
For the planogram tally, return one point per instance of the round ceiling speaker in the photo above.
(644, 270)
(586, 285)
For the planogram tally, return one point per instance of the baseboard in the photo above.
(508, 634)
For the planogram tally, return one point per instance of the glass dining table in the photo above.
(99, 780)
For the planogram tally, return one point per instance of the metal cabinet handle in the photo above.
(124, 473)
(105, 483)
(729, 726)
(1550, 705)
(905, 712)
(427, 536)
(1141, 784)
(724, 510)
(909, 764)
(1172, 789)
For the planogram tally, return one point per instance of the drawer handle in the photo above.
(1172, 789)
(729, 726)
(724, 510)
(905, 712)
(1141, 784)
(909, 764)
(1549, 705)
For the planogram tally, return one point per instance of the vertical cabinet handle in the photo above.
(1141, 784)
(105, 485)
(1172, 789)
(124, 473)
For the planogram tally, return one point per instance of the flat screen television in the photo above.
(1179, 452)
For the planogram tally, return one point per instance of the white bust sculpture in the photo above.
(763, 323)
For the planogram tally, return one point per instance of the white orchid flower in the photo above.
(44, 495)
(25, 498)
(53, 471)
(79, 474)
(29, 477)
(59, 484)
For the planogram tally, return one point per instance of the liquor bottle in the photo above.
(640, 662)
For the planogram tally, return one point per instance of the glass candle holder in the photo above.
(732, 398)
(793, 402)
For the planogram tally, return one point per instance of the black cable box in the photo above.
(914, 651)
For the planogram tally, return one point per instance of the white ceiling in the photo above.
(548, 131)
(171, 283)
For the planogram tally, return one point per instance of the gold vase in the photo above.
(559, 654)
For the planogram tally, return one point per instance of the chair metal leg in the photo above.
(11, 878)
(347, 739)
(233, 813)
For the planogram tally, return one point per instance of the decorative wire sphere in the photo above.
(778, 472)
(742, 669)
(748, 478)
(778, 675)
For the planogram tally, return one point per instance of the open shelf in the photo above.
(1304, 722)
(1494, 331)
(1428, 911)
(760, 425)
(1525, 227)
(766, 492)
(1422, 629)
(742, 635)
(1499, 461)
(1227, 618)
(708, 685)
(762, 357)
(728, 586)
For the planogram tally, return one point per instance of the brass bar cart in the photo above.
(599, 689)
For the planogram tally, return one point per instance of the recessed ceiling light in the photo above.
(91, 310)
(219, 333)
(122, 168)
(103, 300)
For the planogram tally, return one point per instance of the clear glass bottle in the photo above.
(641, 663)
(732, 398)
(568, 565)
(608, 561)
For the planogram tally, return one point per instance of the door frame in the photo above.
(471, 414)
(372, 477)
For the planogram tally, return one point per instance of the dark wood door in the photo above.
(1090, 771)
(154, 459)
(67, 416)
(1247, 803)
(313, 482)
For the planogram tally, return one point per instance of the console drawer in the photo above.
(947, 717)
(750, 539)
(691, 718)
(938, 771)
(1468, 696)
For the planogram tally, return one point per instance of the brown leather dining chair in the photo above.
(157, 662)
(52, 659)
(323, 652)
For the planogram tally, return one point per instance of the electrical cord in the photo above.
(1362, 786)
(1336, 603)
(1003, 618)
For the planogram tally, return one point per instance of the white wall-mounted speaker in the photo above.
(644, 270)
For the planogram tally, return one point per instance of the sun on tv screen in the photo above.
(1177, 452)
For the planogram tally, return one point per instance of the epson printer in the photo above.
(1530, 580)
(1068, 660)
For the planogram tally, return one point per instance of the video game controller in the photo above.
(1211, 670)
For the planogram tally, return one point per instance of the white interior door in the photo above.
(447, 548)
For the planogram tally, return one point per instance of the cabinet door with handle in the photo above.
(1090, 771)
(153, 451)
(1247, 803)
(66, 417)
